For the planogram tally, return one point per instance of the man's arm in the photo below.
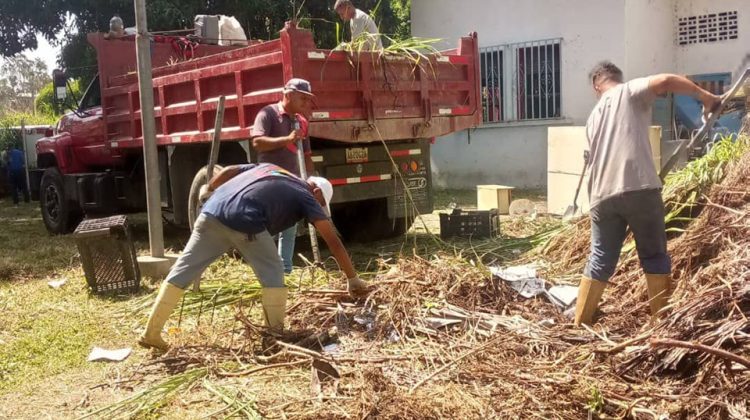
(224, 175)
(327, 231)
(662, 84)
(266, 144)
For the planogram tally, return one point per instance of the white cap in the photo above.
(326, 188)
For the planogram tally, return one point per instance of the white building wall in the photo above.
(510, 156)
(515, 153)
(648, 38)
(637, 35)
(713, 57)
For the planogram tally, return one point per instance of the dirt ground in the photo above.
(47, 378)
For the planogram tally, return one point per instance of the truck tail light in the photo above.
(404, 167)
(414, 166)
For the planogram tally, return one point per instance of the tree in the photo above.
(21, 79)
(45, 103)
(261, 19)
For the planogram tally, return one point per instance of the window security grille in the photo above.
(521, 81)
(712, 27)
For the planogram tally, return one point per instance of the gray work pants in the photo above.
(211, 239)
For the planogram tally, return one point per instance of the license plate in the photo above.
(356, 155)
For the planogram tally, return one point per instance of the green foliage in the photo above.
(261, 19)
(21, 78)
(13, 137)
(45, 101)
(596, 400)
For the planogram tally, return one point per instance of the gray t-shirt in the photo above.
(273, 121)
(620, 157)
(362, 23)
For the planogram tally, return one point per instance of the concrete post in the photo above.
(157, 265)
(150, 157)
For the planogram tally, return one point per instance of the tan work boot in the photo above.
(659, 291)
(167, 299)
(589, 293)
(273, 300)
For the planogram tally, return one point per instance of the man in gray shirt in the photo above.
(624, 187)
(361, 24)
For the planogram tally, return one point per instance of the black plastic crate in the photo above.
(472, 223)
(108, 255)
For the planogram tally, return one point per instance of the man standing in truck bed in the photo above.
(275, 138)
(361, 24)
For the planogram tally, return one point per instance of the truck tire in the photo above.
(194, 205)
(60, 215)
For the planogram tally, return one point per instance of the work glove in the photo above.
(356, 286)
(204, 194)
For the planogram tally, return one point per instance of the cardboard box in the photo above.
(494, 197)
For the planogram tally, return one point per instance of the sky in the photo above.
(46, 52)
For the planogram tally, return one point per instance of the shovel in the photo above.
(707, 125)
(571, 211)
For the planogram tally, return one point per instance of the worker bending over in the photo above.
(248, 204)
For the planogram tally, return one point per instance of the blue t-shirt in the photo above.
(15, 160)
(263, 197)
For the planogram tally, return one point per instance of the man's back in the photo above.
(620, 151)
(362, 23)
(15, 160)
(263, 197)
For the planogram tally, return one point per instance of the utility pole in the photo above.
(150, 158)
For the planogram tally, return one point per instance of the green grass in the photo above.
(27, 250)
(48, 331)
(46, 334)
(44, 331)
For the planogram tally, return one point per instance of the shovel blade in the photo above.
(570, 213)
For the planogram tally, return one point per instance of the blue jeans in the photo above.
(643, 211)
(17, 180)
(287, 238)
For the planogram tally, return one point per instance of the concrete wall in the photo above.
(713, 57)
(648, 37)
(514, 154)
(638, 35)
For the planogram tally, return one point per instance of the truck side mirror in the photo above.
(60, 84)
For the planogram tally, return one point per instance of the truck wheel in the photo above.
(59, 214)
(194, 205)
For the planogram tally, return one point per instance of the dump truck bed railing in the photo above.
(359, 98)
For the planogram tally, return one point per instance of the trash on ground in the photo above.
(56, 284)
(98, 353)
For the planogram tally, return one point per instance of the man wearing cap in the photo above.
(361, 24)
(275, 138)
(249, 205)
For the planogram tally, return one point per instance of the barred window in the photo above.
(521, 81)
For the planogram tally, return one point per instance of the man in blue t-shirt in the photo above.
(16, 174)
(247, 206)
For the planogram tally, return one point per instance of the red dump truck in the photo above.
(371, 128)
